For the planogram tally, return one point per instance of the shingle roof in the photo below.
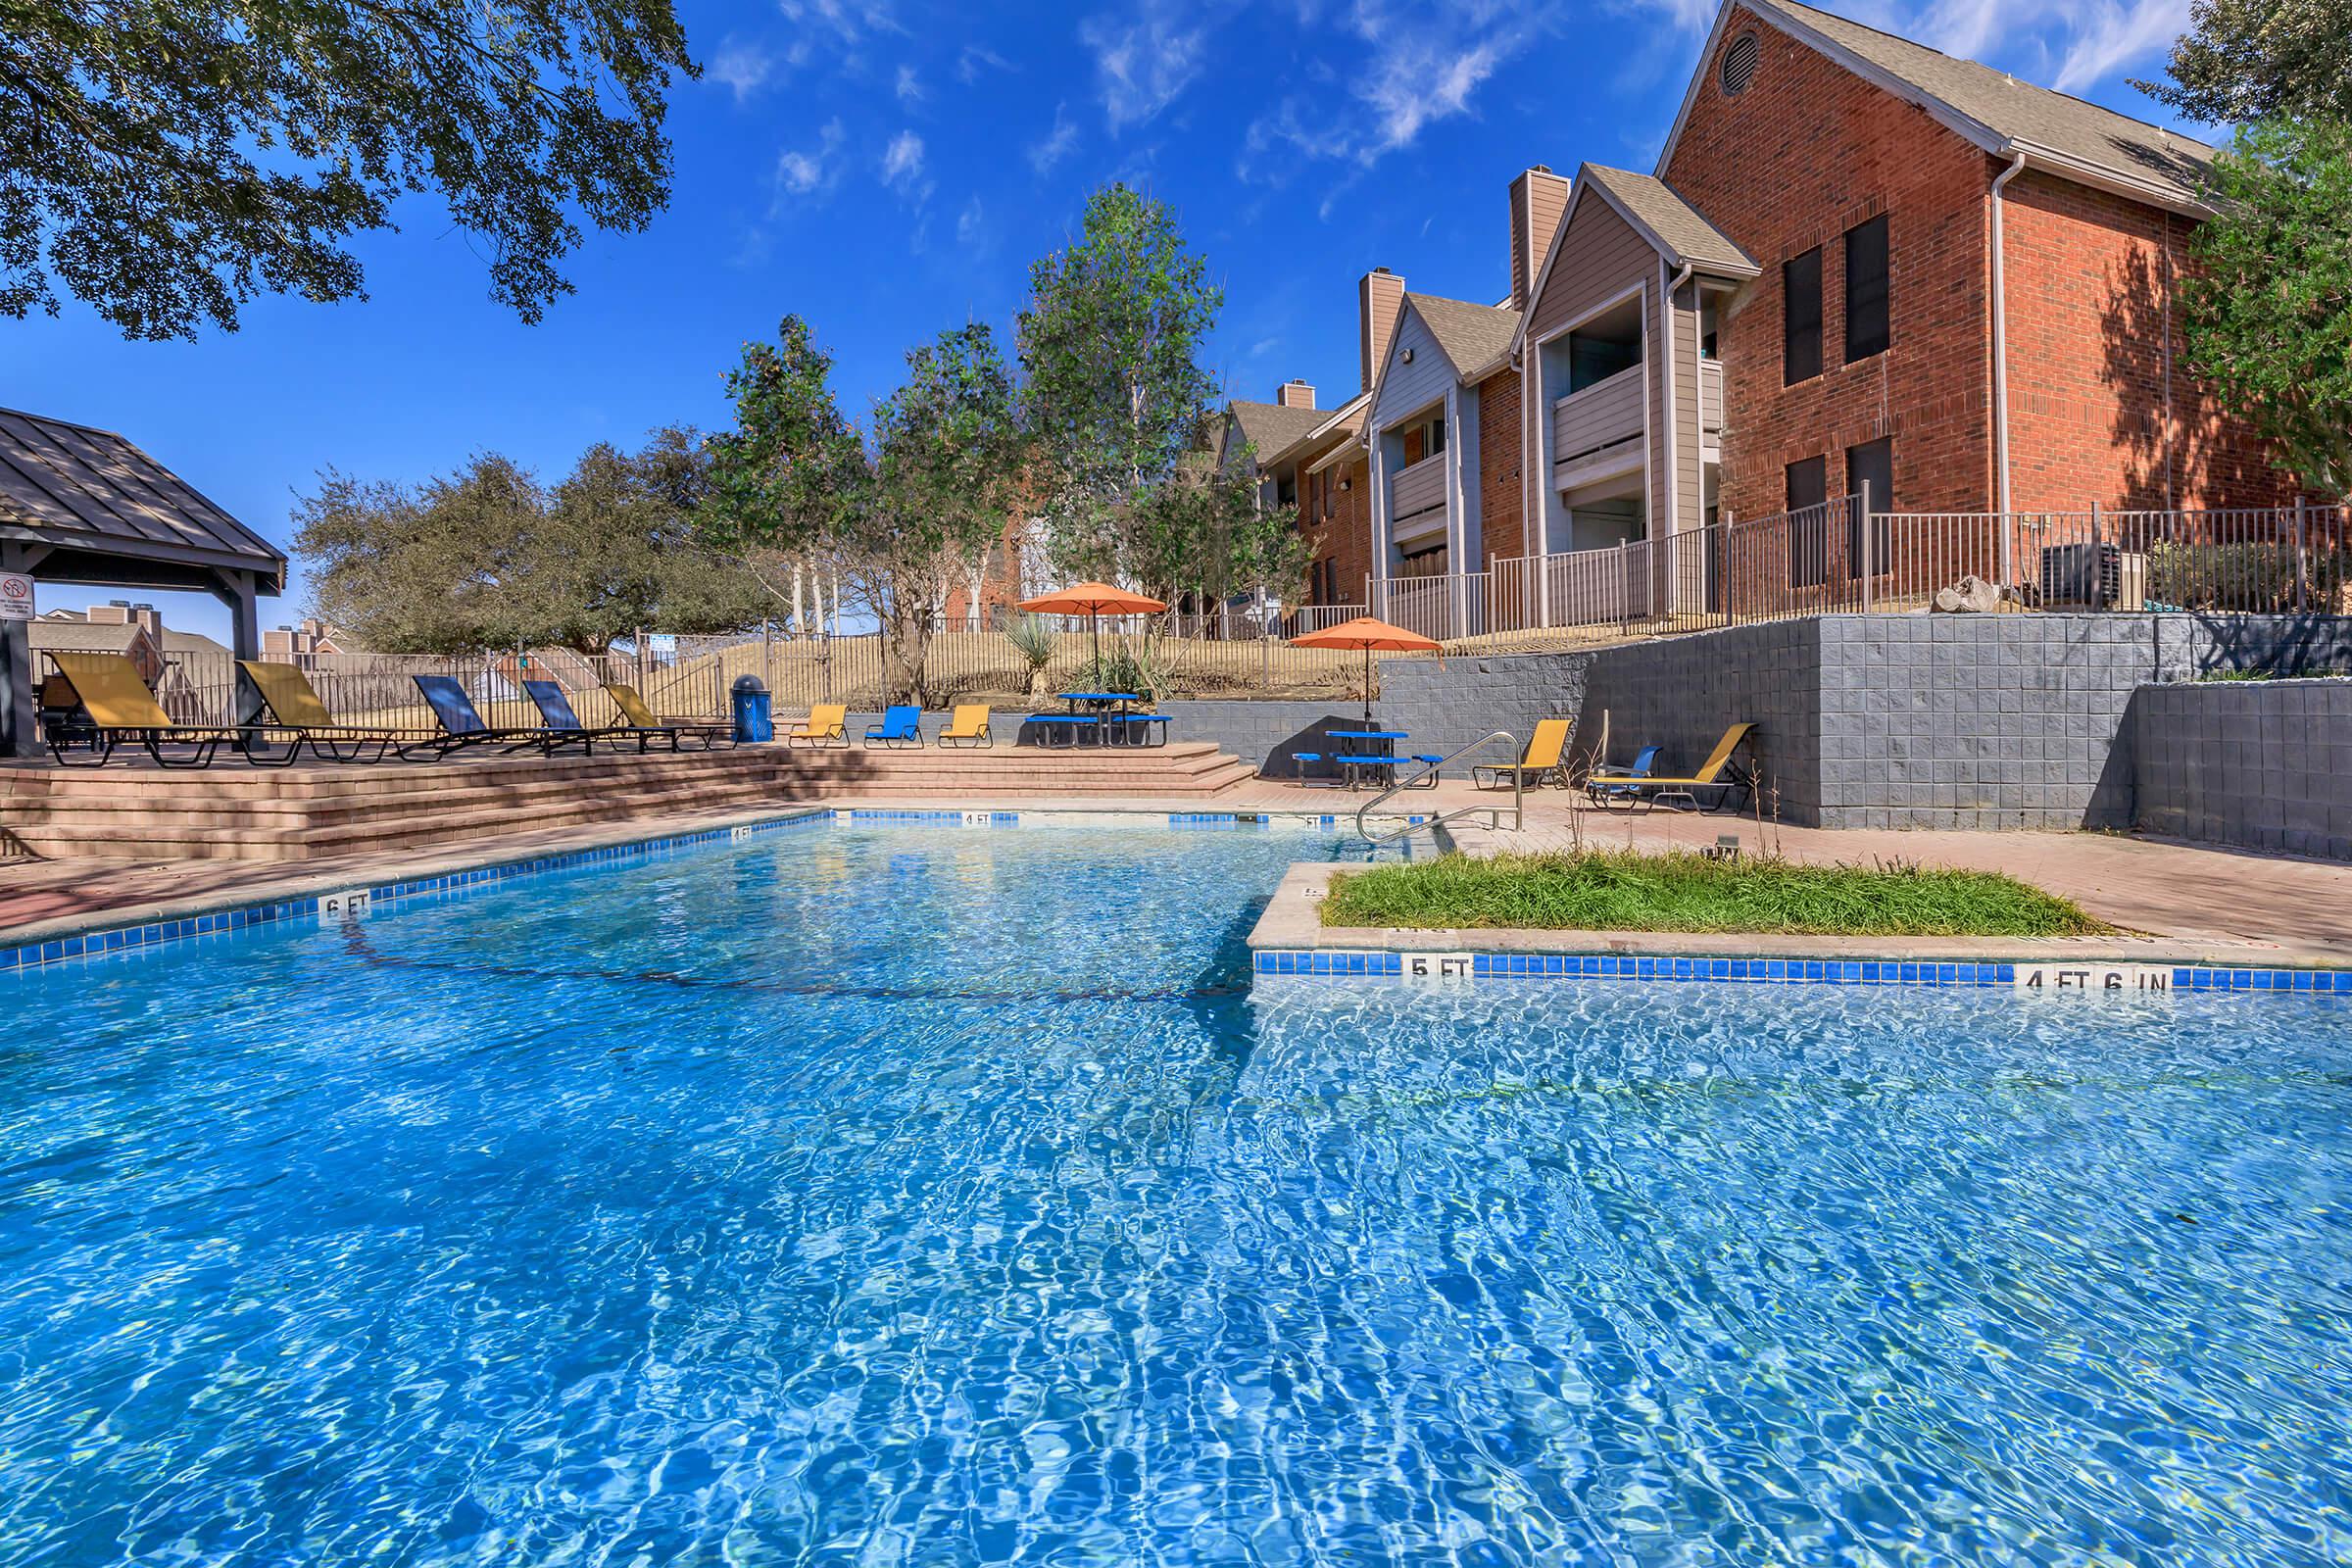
(1270, 426)
(1473, 336)
(1339, 426)
(81, 637)
(2014, 111)
(1673, 223)
(92, 490)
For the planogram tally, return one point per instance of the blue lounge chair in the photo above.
(554, 707)
(901, 725)
(462, 726)
(1610, 786)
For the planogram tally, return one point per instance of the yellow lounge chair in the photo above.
(1720, 773)
(293, 707)
(827, 726)
(637, 716)
(1545, 749)
(968, 726)
(111, 705)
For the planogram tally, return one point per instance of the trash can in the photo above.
(753, 722)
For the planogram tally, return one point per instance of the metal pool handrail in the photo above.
(1494, 812)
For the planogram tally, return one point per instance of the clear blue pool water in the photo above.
(943, 1196)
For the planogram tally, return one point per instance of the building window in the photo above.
(1873, 464)
(1801, 318)
(1866, 329)
(1285, 489)
(1809, 524)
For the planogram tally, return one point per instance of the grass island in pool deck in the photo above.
(1622, 890)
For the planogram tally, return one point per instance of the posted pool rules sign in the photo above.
(16, 596)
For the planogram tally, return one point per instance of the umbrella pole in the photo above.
(1368, 685)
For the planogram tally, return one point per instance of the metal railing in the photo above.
(1404, 781)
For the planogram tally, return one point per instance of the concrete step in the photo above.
(233, 811)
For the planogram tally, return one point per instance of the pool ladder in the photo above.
(1493, 813)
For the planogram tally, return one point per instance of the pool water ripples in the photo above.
(920, 1196)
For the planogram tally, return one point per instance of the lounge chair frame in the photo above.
(438, 748)
(1550, 743)
(834, 732)
(898, 731)
(956, 736)
(1723, 775)
(707, 737)
(103, 737)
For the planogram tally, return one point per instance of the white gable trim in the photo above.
(1380, 382)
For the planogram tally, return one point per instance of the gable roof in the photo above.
(1678, 231)
(1338, 426)
(2004, 116)
(1472, 337)
(72, 486)
(83, 637)
(1270, 426)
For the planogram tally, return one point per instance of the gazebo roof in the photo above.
(94, 497)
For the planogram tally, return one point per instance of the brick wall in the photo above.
(1806, 152)
(2101, 407)
(1345, 538)
(1502, 511)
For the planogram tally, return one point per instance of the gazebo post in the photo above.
(18, 737)
(238, 591)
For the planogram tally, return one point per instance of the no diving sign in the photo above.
(16, 596)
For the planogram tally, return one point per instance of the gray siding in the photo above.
(1408, 389)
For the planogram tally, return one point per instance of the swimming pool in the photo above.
(915, 1195)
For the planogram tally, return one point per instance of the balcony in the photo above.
(1710, 401)
(1597, 430)
(1418, 490)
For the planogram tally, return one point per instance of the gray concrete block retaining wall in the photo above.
(1877, 721)
(2259, 764)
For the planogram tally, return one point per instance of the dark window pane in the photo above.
(1808, 523)
(1801, 321)
(1866, 289)
(1872, 464)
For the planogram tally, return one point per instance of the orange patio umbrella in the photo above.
(1368, 634)
(1092, 599)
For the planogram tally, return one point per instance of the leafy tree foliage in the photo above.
(1120, 410)
(168, 162)
(2269, 303)
(904, 512)
(2247, 60)
(490, 558)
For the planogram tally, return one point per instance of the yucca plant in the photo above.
(1034, 638)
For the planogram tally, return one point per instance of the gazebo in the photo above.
(84, 505)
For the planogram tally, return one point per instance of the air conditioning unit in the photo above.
(2093, 576)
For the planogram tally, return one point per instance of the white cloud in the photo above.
(1058, 143)
(743, 67)
(805, 172)
(910, 86)
(2113, 36)
(1419, 81)
(977, 59)
(967, 223)
(1144, 61)
(902, 160)
(848, 20)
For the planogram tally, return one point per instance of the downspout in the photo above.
(2000, 357)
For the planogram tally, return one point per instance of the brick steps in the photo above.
(231, 811)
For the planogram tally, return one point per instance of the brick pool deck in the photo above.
(2297, 909)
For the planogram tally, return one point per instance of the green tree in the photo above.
(168, 162)
(2248, 60)
(490, 558)
(2267, 306)
(1119, 406)
(1114, 393)
(948, 456)
(903, 518)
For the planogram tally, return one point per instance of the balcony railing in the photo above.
(1710, 396)
(1419, 488)
(1602, 415)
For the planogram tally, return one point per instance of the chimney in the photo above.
(1538, 198)
(1378, 297)
(1294, 394)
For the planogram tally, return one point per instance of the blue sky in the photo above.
(889, 168)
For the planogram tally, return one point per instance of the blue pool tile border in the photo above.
(1941, 974)
(218, 922)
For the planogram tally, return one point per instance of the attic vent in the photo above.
(1740, 64)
